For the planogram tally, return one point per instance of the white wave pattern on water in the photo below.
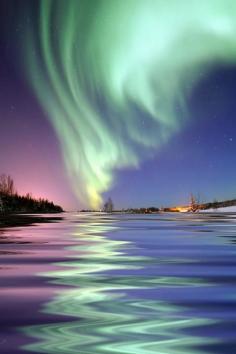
(141, 285)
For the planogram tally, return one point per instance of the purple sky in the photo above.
(200, 159)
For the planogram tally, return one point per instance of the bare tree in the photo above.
(7, 185)
(108, 206)
(194, 204)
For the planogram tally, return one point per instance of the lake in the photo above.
(140, 284)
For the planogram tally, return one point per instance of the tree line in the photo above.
(12, 202)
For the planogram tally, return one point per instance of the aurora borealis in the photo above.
(122, 97)
(114, 77)
(130, 101)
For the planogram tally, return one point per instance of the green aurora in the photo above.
(114, 76)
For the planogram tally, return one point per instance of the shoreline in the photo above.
(16, 220)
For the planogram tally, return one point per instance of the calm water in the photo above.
(120, 284)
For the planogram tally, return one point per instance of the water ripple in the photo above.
(136, 290)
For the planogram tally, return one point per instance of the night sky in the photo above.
(198, 157)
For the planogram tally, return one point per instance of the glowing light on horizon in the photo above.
(111, 76)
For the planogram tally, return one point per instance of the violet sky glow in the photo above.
(197, 156)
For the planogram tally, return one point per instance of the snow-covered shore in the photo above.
(230, 209)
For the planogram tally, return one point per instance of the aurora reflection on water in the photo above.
(133, 284)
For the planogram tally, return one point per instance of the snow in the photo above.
(230, 209)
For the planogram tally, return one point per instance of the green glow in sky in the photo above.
(113, 76)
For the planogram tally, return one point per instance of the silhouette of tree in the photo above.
(7, 185)
(194, 204)
(11, 202)
(108, 206)
(1, 205)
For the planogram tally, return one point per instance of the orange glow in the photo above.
(180, 209)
